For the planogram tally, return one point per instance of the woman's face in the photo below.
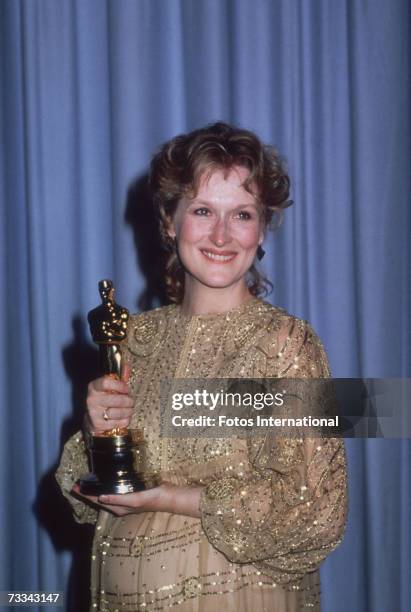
(218, 231)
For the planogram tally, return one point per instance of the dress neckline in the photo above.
(227, 314)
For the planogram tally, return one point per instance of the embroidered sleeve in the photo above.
(288, 512)
(74, 464)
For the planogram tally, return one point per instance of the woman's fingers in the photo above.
(129, 500)
(163, 498)
(94, 500)
(117, 504)
(114, 414)
(109, 407)
(111, 400)
(108, 402)
(106, 418)
(125, 375)
(108, 384)
(111, 415)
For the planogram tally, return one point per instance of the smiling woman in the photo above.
(237, 523)
(229, 177)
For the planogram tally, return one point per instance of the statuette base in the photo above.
(116, 464)
(91, 485)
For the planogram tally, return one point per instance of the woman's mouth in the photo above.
(223, 257)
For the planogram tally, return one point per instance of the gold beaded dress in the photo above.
(269, 513)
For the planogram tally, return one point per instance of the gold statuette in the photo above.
(108, 327)
(115, 454)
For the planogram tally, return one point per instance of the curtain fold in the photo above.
(89, 90)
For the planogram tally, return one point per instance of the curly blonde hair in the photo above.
(181, 162)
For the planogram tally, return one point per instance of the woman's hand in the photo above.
(109, 404)
(110, 397)
(165, 498)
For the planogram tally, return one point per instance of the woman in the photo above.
(234, 523)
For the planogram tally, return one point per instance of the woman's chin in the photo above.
(216, 281)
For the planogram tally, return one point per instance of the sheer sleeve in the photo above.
(73, 464)
(288, 512)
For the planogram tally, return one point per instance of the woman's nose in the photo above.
(220, 233)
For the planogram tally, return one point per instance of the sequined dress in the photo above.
(270, 513)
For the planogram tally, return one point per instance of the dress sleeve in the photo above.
(288, 511)
(74, 464)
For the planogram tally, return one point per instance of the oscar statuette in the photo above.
(116, 455)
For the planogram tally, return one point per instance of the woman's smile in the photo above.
(220, 257)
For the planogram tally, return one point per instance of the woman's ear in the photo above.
(260, 251)
(171, 232)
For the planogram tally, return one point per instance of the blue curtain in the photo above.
(89, 89)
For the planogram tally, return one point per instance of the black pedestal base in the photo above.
(92, 485)
(113, 465)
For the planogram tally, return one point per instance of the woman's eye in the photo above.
(244, 215)
(202, 212)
